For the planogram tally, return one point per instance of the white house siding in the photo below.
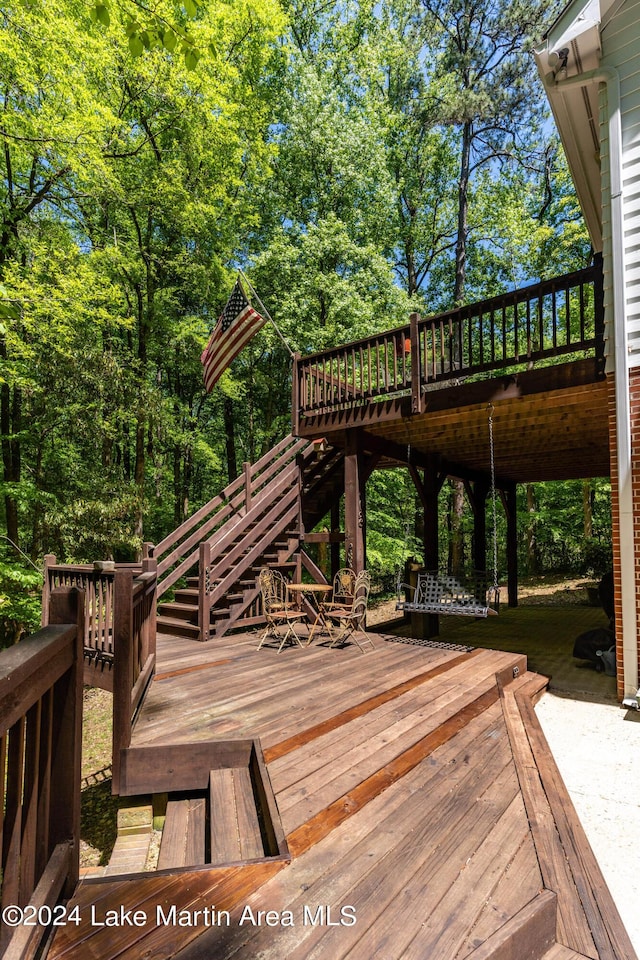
(621, 49)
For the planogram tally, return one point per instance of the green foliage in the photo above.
(391, 526)
(20, 589)
(559, 518)
(149, 151)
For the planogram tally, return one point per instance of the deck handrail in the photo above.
(134, 652)
(178, 552)
(40, 766)
(544, 320)
(118, 628)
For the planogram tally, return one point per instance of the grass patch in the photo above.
(99, 809)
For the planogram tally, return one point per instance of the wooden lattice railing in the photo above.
(40, 756)
(557, 318)
(119, 633)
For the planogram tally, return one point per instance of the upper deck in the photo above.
(536, 355)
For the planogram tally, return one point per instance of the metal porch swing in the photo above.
(444, 594)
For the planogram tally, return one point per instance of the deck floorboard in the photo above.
(411, 797)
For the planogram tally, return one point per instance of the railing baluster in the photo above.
(44, 781)
(30, 803)
(353, 373)
(12, 822)
(525, 325)
(395, 361)
(99, 619)
(541, 322)
(386, 365)
(3, 781)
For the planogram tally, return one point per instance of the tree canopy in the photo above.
(358, 160)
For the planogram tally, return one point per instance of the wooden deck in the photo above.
(423, 814)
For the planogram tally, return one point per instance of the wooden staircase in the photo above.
(258, 520)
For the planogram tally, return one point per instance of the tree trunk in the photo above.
(456, 553)
(139, 472)
(141, 415)
(10, 416)
(587, 506)
(187, 472)
(230, 439)
(463, 213)
(36, 528)
(456, 547)
(533, 560)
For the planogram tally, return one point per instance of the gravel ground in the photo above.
(596, 747)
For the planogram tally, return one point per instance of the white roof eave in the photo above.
(574, 41)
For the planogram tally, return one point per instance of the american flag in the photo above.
(237, 324)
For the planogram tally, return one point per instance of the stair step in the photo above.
(231, 598)
(187, 595)
(179, 611)
(183, 836)
(178, 628)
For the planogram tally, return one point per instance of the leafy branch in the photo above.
(147, 29)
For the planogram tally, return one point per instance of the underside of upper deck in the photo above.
(422, 813)
(533, 359)
(549, 424)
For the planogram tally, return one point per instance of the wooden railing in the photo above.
(98, 587)
(40, 757)
(556, 318)
(134, 652)
(119, 634)
(178, 553)
(235, 549)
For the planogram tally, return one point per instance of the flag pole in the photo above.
(266, 312)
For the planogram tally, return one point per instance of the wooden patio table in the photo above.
(314, 591)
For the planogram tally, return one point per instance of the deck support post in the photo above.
(353, 503)
(509, 501)
(66, 605)
(477, 494)
(204, 602)
(122, 668)
(49, 561)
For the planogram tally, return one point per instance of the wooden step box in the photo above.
(220, 805)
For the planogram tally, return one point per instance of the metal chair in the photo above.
(277, 609)
(343, 591)
(346, 624)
